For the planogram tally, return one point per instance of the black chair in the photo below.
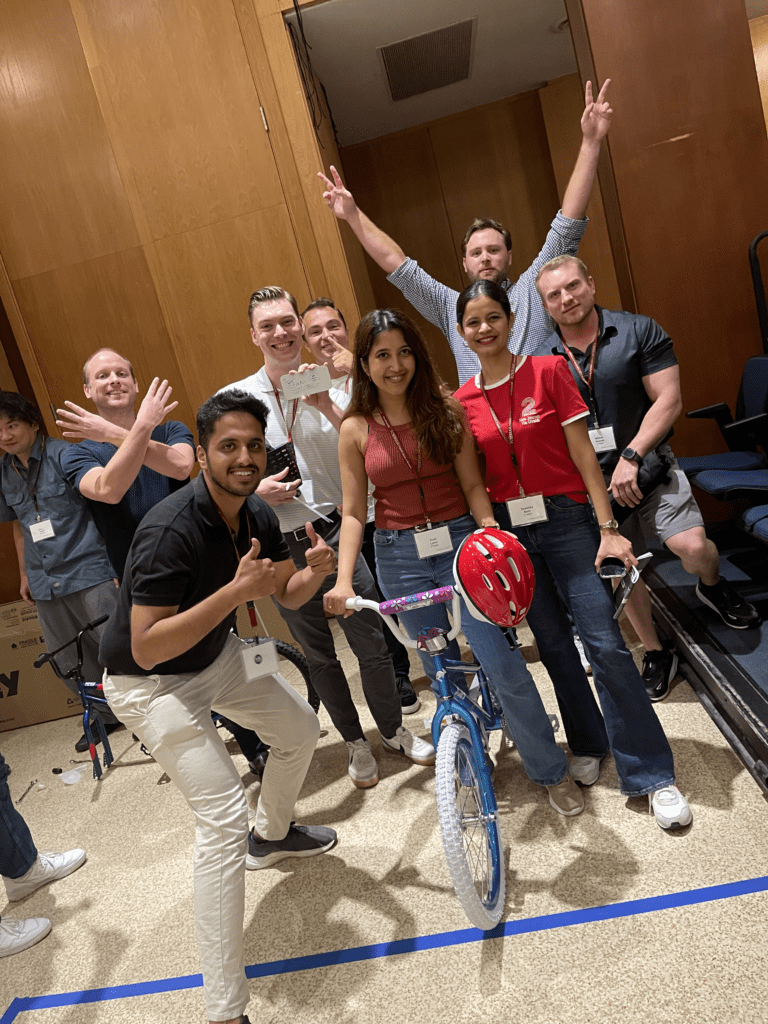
(744, 435)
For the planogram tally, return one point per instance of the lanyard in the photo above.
(31, 486)
(416, 472)
(293, 417)
(233, 536)
(508, 436)
(588, 380)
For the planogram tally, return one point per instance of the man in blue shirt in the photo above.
(127, 462)
(63, 562)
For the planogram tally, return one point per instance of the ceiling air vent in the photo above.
(428, 62)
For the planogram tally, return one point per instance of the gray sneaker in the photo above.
(301, 841)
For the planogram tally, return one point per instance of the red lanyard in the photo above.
(417, 471)
(508, 436)
(591, 372)
(280, 407)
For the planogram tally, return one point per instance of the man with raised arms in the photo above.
(487, 249)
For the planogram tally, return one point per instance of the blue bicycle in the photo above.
(466, 801)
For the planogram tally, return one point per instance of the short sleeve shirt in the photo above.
(545, 400)
(182, 552)
(117, 523)
(74, 558)
(316, 441)
(630, 347)
(532, 324)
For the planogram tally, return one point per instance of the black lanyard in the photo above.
(233, 536)
(416, 472)
(508, 436)
(31, 486)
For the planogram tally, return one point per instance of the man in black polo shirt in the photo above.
(626, 370)
(171, 658)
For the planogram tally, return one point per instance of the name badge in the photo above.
(41, 531)
(528, 510)
(258, 660)
(602, 439)
(436, 541)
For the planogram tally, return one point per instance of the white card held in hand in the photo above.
(308, 382)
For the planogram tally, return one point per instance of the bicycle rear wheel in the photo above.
(466, 809)
(294, 668)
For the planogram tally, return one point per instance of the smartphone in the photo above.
(308, 382)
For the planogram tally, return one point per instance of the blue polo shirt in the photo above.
(75, 557)
(117, 523)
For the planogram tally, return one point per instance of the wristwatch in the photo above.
(612, 524)
(630, 453)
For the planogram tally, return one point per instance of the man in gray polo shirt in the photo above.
(63, 563)
(487, 249)
(311, 425)
(626, 370)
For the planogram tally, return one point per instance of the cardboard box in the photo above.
(28, 695)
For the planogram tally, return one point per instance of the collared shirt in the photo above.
(317, 449)
(74, 558)
(629, 347)
(437, 302)
(117, 523)
(182, 552)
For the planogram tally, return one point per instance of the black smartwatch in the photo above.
(630, 453)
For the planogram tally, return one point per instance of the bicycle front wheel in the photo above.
(294, 668)
(471, 837)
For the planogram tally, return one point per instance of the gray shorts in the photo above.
(668, 510)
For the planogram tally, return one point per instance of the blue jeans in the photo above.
(400, 572)
(17, 849)
(563, 554)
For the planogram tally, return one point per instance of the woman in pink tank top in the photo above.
(404, 434)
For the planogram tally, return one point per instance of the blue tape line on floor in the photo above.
(547, 922)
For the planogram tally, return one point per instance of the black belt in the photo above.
(322, 526)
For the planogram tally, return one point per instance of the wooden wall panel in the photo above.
(110, 301)
(513, 182)
(758, 30)
(207, 278)
(690, 160)
(178, 92)
(562, 103)
(396, 180)
(63, 200)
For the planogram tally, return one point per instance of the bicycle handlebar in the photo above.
(406, 604)
(39, 662)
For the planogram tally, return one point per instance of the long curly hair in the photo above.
(437, 418)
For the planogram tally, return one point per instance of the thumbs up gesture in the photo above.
(255, 576)
(321, 559)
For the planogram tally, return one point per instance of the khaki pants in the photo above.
(171, 714)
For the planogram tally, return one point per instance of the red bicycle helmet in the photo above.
(495, 577)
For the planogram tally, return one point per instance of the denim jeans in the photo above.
(563, 554)
(400, 572)
(17, 849)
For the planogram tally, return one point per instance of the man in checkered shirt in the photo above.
(486, 249)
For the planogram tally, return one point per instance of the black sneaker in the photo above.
(659, 669)
(732, 608)
(257, 766)
(301, 841)
(409, 701)
(109, 727)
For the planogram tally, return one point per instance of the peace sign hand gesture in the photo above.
(338, 198)
(596, 119)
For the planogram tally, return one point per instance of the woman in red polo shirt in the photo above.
(529, 422)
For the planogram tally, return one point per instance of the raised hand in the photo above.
(255, 576)
(78, 422)
(321, 558)
(276, 490)
(596, 119)
(342, 359)
(338, 198)
(156, 404)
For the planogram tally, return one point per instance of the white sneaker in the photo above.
(47, 868)
(582, 655)
(670, 808)
(419, 751)
(585, 770)
(18, 935)
(363, 769)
